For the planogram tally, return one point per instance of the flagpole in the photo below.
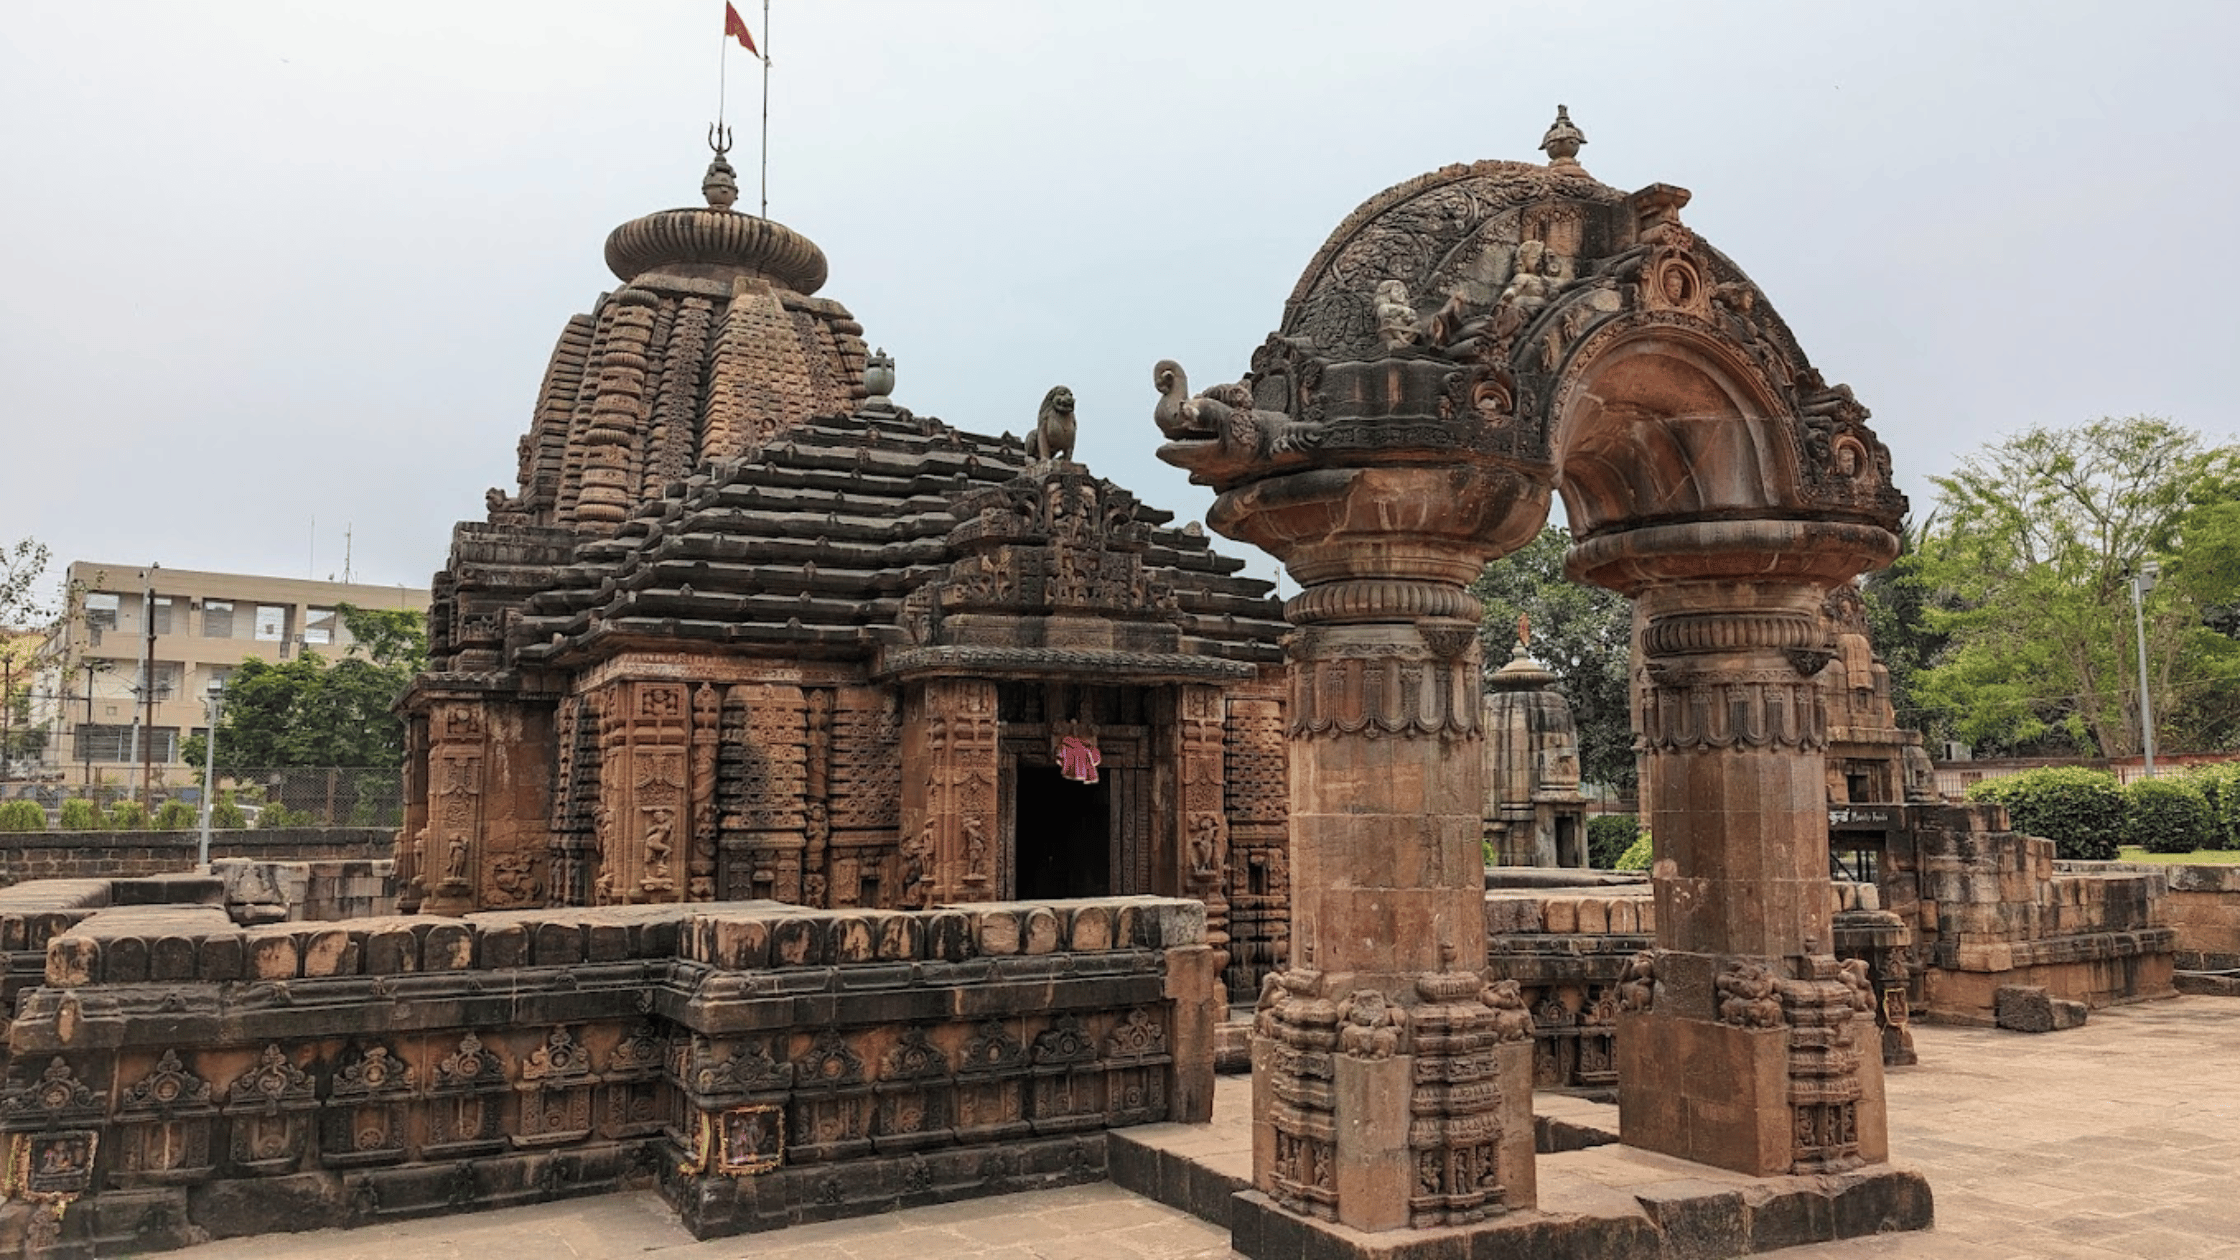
(723, 67)
(765, 109)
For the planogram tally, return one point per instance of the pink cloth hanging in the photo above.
(1078, 759)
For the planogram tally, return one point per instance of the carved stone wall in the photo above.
(176, 1077)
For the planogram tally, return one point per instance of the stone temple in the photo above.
(746, 629)
(815, 809)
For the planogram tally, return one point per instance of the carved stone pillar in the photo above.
(1203, 822)
(645, 792)
(412, 835)
(447, 856)
(1754, 1053)
(1378, 1098)
(949, 755)
(707, 732)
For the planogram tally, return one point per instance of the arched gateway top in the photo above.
(1533, 319)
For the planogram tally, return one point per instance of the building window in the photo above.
(217, 619)
(272, 623)
(163, 614)
(118, 743)
(164, 678)
(318, 627)
(101, 611)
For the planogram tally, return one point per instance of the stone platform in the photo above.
(2090, 1144)
(1597, 1198)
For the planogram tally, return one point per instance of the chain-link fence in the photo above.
(286, 796)
(322, 797)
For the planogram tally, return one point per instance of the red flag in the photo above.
(735, 27)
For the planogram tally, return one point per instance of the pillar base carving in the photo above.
(1381, 1111)
(1764, 1066)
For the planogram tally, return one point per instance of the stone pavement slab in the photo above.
(2117, 1139)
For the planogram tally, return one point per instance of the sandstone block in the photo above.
(2030, 1008)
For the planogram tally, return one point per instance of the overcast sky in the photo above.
(283, 263)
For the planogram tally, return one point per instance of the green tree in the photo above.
(2030, 557)
(1582, 633)
(21, 567)
(1899, 600)
(307, 712)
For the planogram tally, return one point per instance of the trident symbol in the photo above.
(719, 138)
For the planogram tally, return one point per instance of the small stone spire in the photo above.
(721, 184)
(1563, 141)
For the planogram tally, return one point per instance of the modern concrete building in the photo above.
(205, 624)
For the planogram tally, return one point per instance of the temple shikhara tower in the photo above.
(746, 629)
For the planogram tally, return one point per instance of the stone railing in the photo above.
(44, 855)
(176, 1077)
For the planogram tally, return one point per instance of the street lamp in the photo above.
(2142, 581)
(215, 696)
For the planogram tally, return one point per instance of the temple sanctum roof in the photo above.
(707, 466)
(814, 544)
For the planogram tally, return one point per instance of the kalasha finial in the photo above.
(1563, 140)
(721, 184)
(878, 376)
(1524, 629)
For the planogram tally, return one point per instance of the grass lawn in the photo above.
(2199, 857)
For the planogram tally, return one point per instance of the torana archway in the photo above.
(1465, 346)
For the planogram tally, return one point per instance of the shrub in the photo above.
(22, 816)
(2166, 816)
(226, 815)
(127, 816)
(277, 815)
(2220, 786)
(177, 815)
(2080, 810)
(1608, 837)
(78, 814)
(1638, 857)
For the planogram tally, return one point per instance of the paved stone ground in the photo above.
(2121, 1138)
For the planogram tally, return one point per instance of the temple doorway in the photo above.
(1064, 835)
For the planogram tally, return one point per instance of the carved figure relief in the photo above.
(1396, 316)
(1746, 995)
(1369, 1025)
(1512, 1020)
(1637, 984)
(515, 881)
(1207, 833)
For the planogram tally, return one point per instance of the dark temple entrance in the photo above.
(1064, 834)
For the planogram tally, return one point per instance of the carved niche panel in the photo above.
(949, 811)
(762, 789)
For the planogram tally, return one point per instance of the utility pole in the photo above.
(2142, 582)
(85, 747)
(7, 713)
(148, 689)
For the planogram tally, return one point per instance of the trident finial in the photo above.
(721, 184)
